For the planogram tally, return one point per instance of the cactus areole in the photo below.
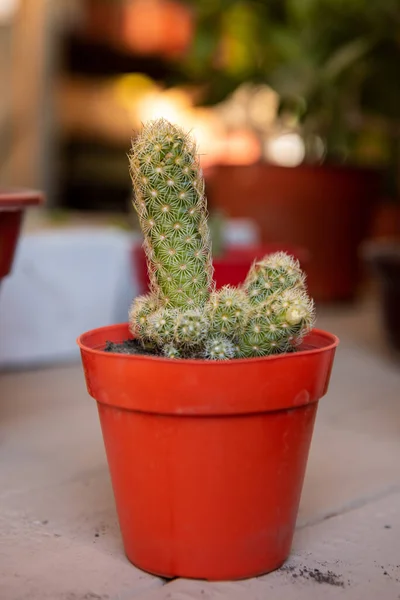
(207, 431)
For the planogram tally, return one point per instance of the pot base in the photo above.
(228, 577)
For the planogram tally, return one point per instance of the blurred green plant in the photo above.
(334, 63)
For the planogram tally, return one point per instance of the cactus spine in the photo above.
(182, 316)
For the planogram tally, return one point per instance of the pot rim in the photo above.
(331, 342)
(15, 198)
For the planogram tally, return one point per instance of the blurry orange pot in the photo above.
(207, 458)
(325, 209)
(13, 203)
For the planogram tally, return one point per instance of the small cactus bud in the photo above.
(228, 310)
(219, 348)
(170, 351)
(142, 307)
(161, 325)
(191, 328)
(276, 272)
(278, 325)
(262, 337)
(294, 310)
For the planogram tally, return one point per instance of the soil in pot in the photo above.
(129, 346)
(132, 346)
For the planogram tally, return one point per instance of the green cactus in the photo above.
(293, 310)
(219, 348)
(161, 325)
(171, 205)
(183, 316)
(142, 308)
(191, 328)
(275, 273)
(229, 311)
(261, 337)
(278, 324)
(171, 351)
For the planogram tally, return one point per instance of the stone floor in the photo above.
(59, 538)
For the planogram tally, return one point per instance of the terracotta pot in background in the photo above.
(147, 27)
(12, 206)
(386, 220)
(231, 268)
(207, 458)
(326, 210)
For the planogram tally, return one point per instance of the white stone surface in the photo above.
(59, 538)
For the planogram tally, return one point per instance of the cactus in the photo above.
(171, 205)
(171, 351)
(161, 325)
(275, 273)
(142, 308)
(219, 348)
(191, 328)
(183, 316)
(277, 325)
(229, 311)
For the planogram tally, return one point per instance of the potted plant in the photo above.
(207, 398)
(13, 203)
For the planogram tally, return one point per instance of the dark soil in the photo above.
(130, 347)
(327, 577)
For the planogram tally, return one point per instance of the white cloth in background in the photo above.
(62, 284)
(65, 282)
(241, 232)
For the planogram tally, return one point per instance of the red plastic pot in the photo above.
(207, 459)
(229, 269)
(325, 209)
(12, 206)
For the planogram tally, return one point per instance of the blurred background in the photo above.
(295, 105)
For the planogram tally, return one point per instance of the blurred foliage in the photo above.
(335, 64)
